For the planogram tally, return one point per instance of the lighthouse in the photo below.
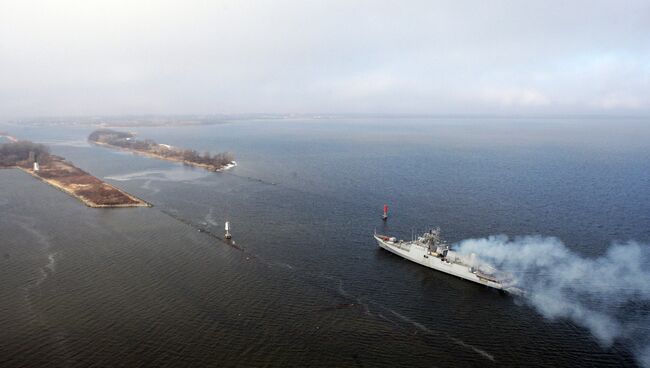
(36, 166)
(227, 236)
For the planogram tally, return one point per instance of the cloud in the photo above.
(168, 56)
(515, 96)
(615, 101)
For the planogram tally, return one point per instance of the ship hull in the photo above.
(423, 257)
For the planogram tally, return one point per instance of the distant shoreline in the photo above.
(11, 138)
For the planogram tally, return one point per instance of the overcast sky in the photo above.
(176, 57)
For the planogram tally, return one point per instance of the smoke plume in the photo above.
(609, 295)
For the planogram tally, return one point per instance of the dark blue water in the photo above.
(305, 284)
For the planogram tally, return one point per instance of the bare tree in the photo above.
(14, 153)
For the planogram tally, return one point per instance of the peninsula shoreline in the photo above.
(86, 188)
(171, 159)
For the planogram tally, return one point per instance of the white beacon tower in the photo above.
(228, 236)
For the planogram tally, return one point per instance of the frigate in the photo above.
(432, 251)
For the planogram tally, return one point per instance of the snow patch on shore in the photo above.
(229, 166)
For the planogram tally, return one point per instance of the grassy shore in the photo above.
(90, 190)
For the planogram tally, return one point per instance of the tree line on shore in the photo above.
(126, 140)
(15, 153)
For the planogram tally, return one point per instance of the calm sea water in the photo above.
(305, 284)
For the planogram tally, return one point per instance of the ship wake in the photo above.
(609, 295)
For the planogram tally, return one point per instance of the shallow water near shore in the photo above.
(304, 284)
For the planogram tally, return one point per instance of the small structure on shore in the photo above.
(228, 235)
(34, 158)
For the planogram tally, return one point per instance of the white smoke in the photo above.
(609, 295)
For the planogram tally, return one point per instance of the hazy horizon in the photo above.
(87, 58)
(226, 118)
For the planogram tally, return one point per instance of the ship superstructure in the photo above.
(432, 251)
